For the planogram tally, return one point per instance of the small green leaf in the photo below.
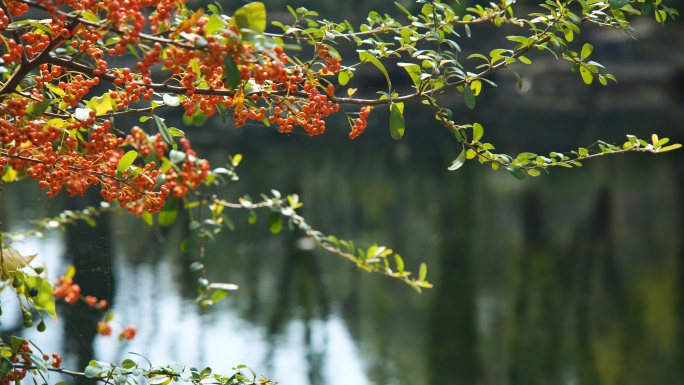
(275, 224)
(231, 71)
(163, 130)
(587, 76)
(218, 295)
(670, 147)
(587, 49)
(647, 7)
(366, 56)
(92, 371)
(423, 272)
(400, 262)
(517, 77)
(190, 242)
(169, 212)
(397, 124)
(617, 4)
(458, 162)
(251, 16)
(516, 172)
(126, 161)
(70, 272)
(128, 364)
(478, 131)
(343, 77)
(469, 97)
(533, 172)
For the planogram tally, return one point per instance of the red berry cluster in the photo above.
(77, 88)
(22, 357)
(65, 288)
(128, 333)
(56, 360)
(360, 123)
(14, 52)
(94, 303)
(104, 329)
(4, 20)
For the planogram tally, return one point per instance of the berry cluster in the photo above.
(360, 123)
(104, 329)
(128, 333)
(23, 357)
(65, 288)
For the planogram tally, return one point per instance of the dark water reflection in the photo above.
(570, 278)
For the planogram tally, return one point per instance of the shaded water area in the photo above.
(569, 278)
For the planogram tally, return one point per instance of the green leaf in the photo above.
(344, 76)
(458, 162)
(45, 299)
(190, 242)
(70, 272)
(587, 49)
(413, 71)
(647, 7)
(126, 161)
(92, 371)
(163, 130)
(469, 97)
(617, 4)
(16, 343)
(213, 24)
(670, 147)
(397, 125)
(587, 76)
(400, 262)
(37, 109)
(128, 364)
(516, 172)
(366, 56)
(275, 224)
(533, 172)
(218, 295)
(477, 132)
(169, 212)
(517, 77)
(251, 16)
(231, 71)
(423, 272)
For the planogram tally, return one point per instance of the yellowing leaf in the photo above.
(189, 22)
(251, 16)
(351, 91)
(12, 260)
(10, 175)
(476, 86)
(56, 90)
(100, 104)
(239, 101)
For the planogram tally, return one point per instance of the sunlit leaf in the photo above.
(458, 162)
(126, 161)
(251, 16)
(397, 125)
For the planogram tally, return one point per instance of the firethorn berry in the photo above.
(128, 333)
(104, 328)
